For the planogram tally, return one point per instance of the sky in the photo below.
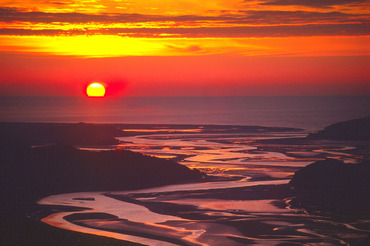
(185, 47)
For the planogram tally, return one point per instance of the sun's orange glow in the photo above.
(95, 90)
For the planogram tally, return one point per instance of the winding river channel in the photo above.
(242, 206)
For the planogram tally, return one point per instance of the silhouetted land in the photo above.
(354, 133)
(332, 186)
(30, 173)
(43, 171)
(358, 129)
(27, 134)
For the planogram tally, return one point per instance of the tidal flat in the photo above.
(242, 196)
(245, 199)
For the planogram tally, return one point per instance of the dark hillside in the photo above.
(28, 174)
(32, 173)
(358, 129)
(58, 133)
(333, 186)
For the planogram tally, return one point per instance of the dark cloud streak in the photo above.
(235, 32)
(301, 17)
(10, 15)
(312, 3)
(273, 24)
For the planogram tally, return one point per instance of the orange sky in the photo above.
(185, 47)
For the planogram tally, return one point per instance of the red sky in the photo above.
(185, 47)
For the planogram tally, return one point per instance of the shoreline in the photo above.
(296, 149)
(26, 231)
(204, 110)
(278, 196)
(88, 218)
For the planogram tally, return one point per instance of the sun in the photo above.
(95, 90)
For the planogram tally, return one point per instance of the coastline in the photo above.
(262, 210)
(295, 150)
(31, 232)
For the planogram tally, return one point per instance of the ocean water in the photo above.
(310, 113)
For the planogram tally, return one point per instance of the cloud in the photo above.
(15, 14)
(219, 32)
(42, 32)
(10, 15)
(313, 3)
(240, 24)
(294, 17)
(186, 49)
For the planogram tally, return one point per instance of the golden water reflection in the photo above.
(239, 162)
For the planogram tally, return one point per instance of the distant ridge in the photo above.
(89, 134)
(358, 129)
(28, 134)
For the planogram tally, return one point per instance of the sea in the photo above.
(311, 113)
